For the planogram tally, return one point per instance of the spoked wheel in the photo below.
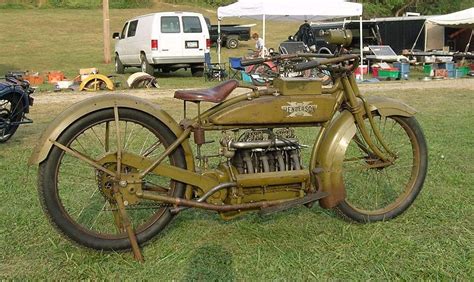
(262, 74)
(11, 113)
(381, 190)
(79, 198)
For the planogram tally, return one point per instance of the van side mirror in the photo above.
(116, 35)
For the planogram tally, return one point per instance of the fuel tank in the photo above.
(280, 109)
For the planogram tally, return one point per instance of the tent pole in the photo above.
(361, 50)
(467, 47)
(219, 41)
(416, 40)
(263, 53)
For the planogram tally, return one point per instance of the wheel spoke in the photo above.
(375, 187)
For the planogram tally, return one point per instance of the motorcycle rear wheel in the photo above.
(377, 191)
(11, 112)
(77, 198)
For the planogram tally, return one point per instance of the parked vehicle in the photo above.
(15, 102)
(167, 41)
(231, 34)
(370, 32)
(114, 170)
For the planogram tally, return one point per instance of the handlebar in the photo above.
(316, 63)
(249, 62)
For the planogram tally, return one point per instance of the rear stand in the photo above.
(137, 254)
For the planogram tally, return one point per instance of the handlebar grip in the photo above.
(250, 62)
(306, 65)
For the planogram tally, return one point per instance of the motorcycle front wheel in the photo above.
(11, 113)
(378, 190)
(78, 198)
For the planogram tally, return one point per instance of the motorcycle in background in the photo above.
(15, 103)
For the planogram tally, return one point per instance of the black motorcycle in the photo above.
(15, 103)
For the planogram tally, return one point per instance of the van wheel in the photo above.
(145, 66)
(232, 42)
(119, 67)
(197, 72)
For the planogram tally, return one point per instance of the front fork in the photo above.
(359, 111)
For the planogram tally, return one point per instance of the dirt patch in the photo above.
(153, 94)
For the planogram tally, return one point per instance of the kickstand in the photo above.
(137, 254)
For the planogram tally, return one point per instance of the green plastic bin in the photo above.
(389, 73)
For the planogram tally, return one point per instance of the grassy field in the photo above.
(67, 40)
(431, 241)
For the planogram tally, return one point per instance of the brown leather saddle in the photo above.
(216, 94)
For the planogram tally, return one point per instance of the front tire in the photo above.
(119, 67)
(76, 197)
(11, 113)
(378, 191)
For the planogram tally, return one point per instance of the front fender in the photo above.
(329, 154)
(107, 101)
(108, 83)
(16, 90)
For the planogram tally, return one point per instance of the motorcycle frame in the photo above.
(345, 90)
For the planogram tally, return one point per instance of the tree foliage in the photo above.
(75, 4)
(390, 8)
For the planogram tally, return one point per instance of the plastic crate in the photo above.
(447, 66)
(375, 71)
(246, 77)
(465, 70)
(389, 73)
(403, 67)
(427, 69)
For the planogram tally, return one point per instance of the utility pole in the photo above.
(105, 12)
(41, 3)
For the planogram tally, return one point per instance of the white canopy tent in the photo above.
(460, 19)
(288, 10)
(464, 18)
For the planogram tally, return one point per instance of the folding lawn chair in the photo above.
(213, 71)
(235, 67)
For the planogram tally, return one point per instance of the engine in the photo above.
(263, 150)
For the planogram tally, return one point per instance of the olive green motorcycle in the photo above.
(114, 169)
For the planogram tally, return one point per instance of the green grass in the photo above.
(44, 40)
(431, 241)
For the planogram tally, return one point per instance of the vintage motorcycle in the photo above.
(15, 102)
(114, 169)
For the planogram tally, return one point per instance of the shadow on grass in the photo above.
(210, 263)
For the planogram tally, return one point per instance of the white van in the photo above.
(166, 41)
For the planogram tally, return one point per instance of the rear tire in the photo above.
(145, 66)
(77, 198)
(197, 72)
(232, 42)
(378, 191)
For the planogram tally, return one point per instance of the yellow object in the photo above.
(96, 82)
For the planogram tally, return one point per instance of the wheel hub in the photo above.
(128, 184)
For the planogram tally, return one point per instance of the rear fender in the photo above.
(81, 109)
(329, 154)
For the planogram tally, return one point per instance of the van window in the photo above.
(132, 29)
(192, 25)
(170, 25)
(122, 35)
